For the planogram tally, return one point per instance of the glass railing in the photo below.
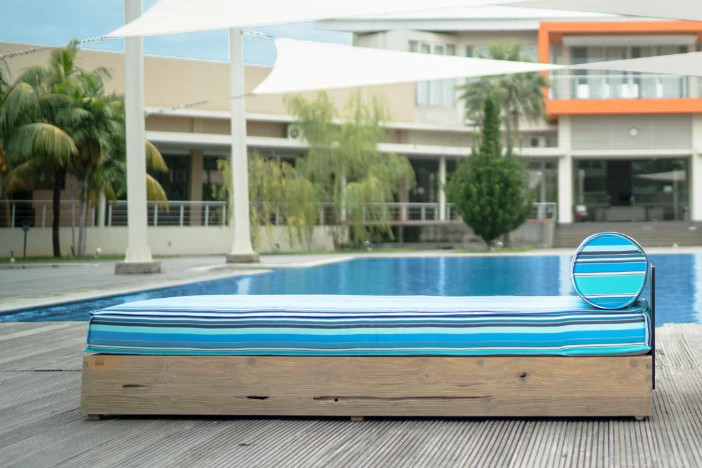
(618, 86)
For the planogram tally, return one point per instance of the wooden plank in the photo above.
(367, 386)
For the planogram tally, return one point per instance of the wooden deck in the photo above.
(40, 425)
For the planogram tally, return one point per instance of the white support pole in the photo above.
(102, 207)
(696, 170)
(242, 250)
(442, 188)
(138, 257)
(565, 172)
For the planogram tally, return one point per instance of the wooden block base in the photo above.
(368, 386)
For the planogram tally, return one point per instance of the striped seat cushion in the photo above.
(610, 270)
(367, 325)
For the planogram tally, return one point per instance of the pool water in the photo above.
(678, 299)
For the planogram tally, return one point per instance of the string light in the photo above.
(193, 104)
(39, 49)
(158, 111)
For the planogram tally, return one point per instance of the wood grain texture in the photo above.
(367, 386)
(42, 426)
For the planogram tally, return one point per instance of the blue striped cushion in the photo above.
(369, 325)
(609, 270)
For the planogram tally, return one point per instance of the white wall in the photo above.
(191, 240)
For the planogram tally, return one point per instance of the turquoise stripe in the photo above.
(613, 350)
(610, 240)
(607, 285)
(543, 326)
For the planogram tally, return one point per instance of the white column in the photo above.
(565, 172)
(242, 250)
(138, 258)
(102, 207)
(696, 170)
(692, 81)
(442, 188)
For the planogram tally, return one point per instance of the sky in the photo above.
(55, 22)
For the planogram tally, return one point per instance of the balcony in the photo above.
(618, 86)
(604, 93)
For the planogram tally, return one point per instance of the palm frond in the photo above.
(154, 191)
(19, 105)
(40, 141)
(154, 159)
(22, 176)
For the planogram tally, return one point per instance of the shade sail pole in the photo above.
(242, 250)
(138, 257)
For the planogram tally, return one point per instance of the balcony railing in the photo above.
(39, 213)
(619, 86)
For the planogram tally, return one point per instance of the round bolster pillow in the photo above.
(609, 270)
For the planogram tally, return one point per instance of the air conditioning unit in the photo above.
(537, 142)
(295, 133)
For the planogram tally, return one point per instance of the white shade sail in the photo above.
(670, 9)
(180, 16)
(306, 66)
(689, 64)
(299, 67)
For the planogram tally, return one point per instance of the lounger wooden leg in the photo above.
(357, 418)
(94, 417)
(640, 418)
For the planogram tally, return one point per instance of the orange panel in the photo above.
(623, 106)
(556, 30)
(551, 33)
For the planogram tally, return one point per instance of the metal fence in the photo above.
(39, 213)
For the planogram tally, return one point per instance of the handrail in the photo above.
(214, 213)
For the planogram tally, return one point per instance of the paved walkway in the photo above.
(41, 425)
(39, 285)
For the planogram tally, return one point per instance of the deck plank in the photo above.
(41, 425)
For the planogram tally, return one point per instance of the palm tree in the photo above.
(57, 120)
(35, 148)
(96, 122)
(38, 97)
(519, 95)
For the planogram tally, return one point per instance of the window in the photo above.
(439, 93)
(530, 53)
(477, 51)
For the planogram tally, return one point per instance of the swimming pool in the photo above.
(679, 287)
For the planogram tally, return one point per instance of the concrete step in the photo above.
(660, 234)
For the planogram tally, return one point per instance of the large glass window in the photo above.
(594, 84)
(438, 93)
(632, 190)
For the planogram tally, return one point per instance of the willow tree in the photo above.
(520, 95)
(276, 191)
(346, 165)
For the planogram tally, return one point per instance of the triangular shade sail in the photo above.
(306, 66)
(179, 16)
(679, 64)
(670, 9)
(299, 67)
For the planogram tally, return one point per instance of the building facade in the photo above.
(613, 146)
